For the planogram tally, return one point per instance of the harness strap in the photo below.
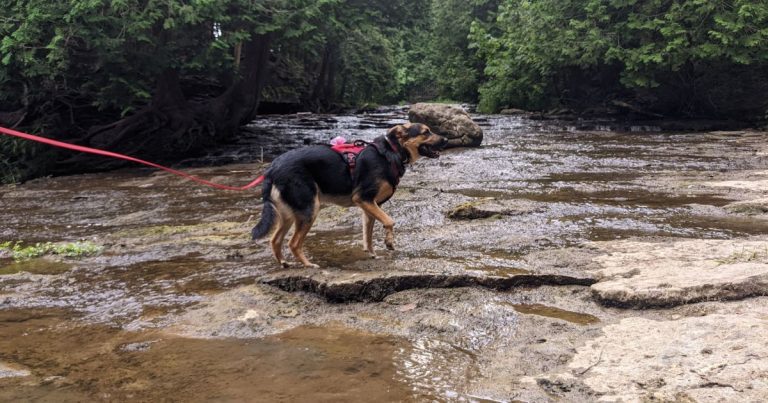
(349, 152)
(395, 159)
(394, 154)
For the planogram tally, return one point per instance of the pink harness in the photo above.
(349, 151)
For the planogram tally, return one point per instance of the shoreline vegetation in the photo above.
(167, 81)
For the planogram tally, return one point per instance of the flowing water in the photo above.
(94, 328)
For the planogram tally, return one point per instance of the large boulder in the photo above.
(450, 121)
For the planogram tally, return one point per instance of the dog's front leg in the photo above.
(373, 209)
(368, 222)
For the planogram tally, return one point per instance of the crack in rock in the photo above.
(378, 288)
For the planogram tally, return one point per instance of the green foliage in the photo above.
(111, 52)
(436, 58)
(67, 66)
(654, 43)
(368, 67)
(20, 252)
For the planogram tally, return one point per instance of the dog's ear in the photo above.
(414, 129)
(398, 132)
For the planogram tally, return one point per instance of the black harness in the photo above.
(392, 151)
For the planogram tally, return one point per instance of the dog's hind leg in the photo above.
(283, 225)
(285, 218)
(304, 221)
(368, 221)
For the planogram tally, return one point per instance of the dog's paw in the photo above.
(390, 245)
(370, 253)
(311, 266)
(285, 265)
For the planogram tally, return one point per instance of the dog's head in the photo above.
(418, 140)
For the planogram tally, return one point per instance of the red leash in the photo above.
(89, 150)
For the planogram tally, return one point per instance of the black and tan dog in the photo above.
(299, 180)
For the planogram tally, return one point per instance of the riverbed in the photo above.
(577, 260)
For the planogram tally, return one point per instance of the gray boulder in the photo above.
(450, 121)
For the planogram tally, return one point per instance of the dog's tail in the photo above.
(267, 213)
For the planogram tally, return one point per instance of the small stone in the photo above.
(289, 313)
(137, 347)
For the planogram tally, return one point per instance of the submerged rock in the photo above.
(449, 121)
(649, 274)
(490, 207)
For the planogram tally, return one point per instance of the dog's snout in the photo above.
(443, 142)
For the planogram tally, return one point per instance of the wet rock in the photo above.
(513, 111)
(556, 313)
(7, 371)
(252, 311)
(749, 207)
(491, 207)
(721, 358)
(138, 346)
(755, 181)
(560, 113)
(651, 274)
(375, 285)
(753, 185)
(449, 121)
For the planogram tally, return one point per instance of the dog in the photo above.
(297, 182)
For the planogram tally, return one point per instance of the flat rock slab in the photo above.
(639, 274)
(749, 207)
(376, 279)
(759, 185)
(710, 358)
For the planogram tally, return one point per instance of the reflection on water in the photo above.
(34, 266)
(434, 369)
(62, 362)
(557, 313)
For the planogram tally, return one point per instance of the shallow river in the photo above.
(98, 327)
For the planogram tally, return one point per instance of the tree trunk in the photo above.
(171, 127)
(329, 92)
(324, 90)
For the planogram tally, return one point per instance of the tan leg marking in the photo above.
(376, 212)
(285, 219)
(302, 228)
(283, 225)
(368, 222)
